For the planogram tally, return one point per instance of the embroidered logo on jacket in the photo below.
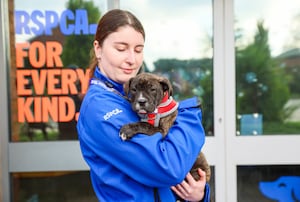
(112, 113)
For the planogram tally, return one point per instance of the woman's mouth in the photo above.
(127, 71)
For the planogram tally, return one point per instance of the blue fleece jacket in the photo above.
(131, 170)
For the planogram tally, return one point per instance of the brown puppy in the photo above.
(151, 97)
(145, 92)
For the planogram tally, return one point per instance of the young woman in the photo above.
(145, 168)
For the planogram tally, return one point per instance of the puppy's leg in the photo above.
(202, 163)
(129, 130)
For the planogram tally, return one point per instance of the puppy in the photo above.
(151, 97)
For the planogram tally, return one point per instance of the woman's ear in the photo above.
(97, 49)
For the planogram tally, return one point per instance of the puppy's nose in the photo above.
(142, 101)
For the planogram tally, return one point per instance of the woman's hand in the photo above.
(190, 189)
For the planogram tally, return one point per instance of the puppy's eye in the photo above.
(153, 90)
(133, 90)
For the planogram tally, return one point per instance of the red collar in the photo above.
(167, 106)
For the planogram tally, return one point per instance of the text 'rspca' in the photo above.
(110, 114)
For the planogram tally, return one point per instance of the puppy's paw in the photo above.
(123, 136)
(126, 132)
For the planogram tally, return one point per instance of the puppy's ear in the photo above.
(166, 85)
(127, 87)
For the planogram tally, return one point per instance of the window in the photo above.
(48, 73)
(47, 79)
(52, 186)
(267, 67)
(268, 183)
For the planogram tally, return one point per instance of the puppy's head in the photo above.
(146, 91)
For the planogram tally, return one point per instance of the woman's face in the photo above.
(121, 54)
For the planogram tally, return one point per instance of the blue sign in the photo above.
(251, 124)
(284, 189)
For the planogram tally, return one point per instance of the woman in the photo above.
(146, 168)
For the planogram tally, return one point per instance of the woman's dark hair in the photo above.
(108, 24)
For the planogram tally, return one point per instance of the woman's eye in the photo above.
(139, 50)
(121, 49)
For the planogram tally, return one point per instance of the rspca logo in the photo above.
(284, 189)
(112, 113)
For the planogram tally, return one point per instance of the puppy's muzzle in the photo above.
(142, 101)
(141, 104)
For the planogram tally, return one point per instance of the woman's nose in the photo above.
(131, 57)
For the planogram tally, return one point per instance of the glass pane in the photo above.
(179, 46)
(52, 186)
(268, 183)
(48, 76)
(267, 67)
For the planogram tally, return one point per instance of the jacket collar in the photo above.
(108, 82)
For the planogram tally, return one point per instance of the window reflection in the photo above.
(267, 67)
(179, 46)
